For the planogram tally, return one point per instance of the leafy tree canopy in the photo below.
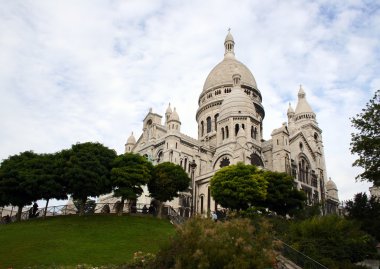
(366, 142)
(367, 212)
(129, 173)
(282, 195)
(19, 179)
(51, 182)
(238, 186)
(87, 170)
(168, 179)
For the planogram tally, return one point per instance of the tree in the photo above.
(168, 179)
(51, 184)
(87, 170)
(238, 186)
(18, 180)
(129, 173)
(367, 212)
(366, 142)
(282, 196)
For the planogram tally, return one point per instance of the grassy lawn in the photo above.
(72, 240)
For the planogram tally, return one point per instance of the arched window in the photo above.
(222, 133)
(202, 128)
(256, 160)
(252, 131)
(255, 134)
(288, 169)
(227, 134)
(303, 170)
(201, 203)
(159, 156)
(208, 124)
(185, 164)
(316, 137)
(242, 126)
(208, 199)
(224, 162)
(236, 129)
(216, 120)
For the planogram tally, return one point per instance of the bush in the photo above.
(202, 243)
(333, 241)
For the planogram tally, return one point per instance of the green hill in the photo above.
(72, 240)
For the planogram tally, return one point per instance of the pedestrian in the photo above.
(214, 217)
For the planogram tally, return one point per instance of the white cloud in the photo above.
(89, 71)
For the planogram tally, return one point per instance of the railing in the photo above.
(180, 214)
(176, 217)
(299, 258)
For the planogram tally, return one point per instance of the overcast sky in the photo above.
(77, 71)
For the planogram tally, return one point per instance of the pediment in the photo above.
(300, 136)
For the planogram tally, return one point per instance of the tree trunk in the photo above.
(47, 202)
(19, 212)
(159, 214)
(82, 206)
(121, 207)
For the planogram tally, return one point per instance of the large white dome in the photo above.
(222, 74)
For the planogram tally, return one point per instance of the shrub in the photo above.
(333, 241)
(202, 243)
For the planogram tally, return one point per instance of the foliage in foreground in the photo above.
(366, 141)
(202, 243)
(367, 212)
(331, 240)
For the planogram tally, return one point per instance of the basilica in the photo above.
(230, 130)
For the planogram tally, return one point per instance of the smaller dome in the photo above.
(174, 116)
(236, 103)
(131, 139)
(330, 185)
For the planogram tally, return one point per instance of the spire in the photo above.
(229, 44)
(290, 110)
(302, 105)
(168, 110)
(301, 92)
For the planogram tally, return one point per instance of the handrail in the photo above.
(97, 208)
(298, 257)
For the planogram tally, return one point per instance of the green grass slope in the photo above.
(72, 240)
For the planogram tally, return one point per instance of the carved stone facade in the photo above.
(230, 127)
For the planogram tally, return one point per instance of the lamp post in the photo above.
(193, 165)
